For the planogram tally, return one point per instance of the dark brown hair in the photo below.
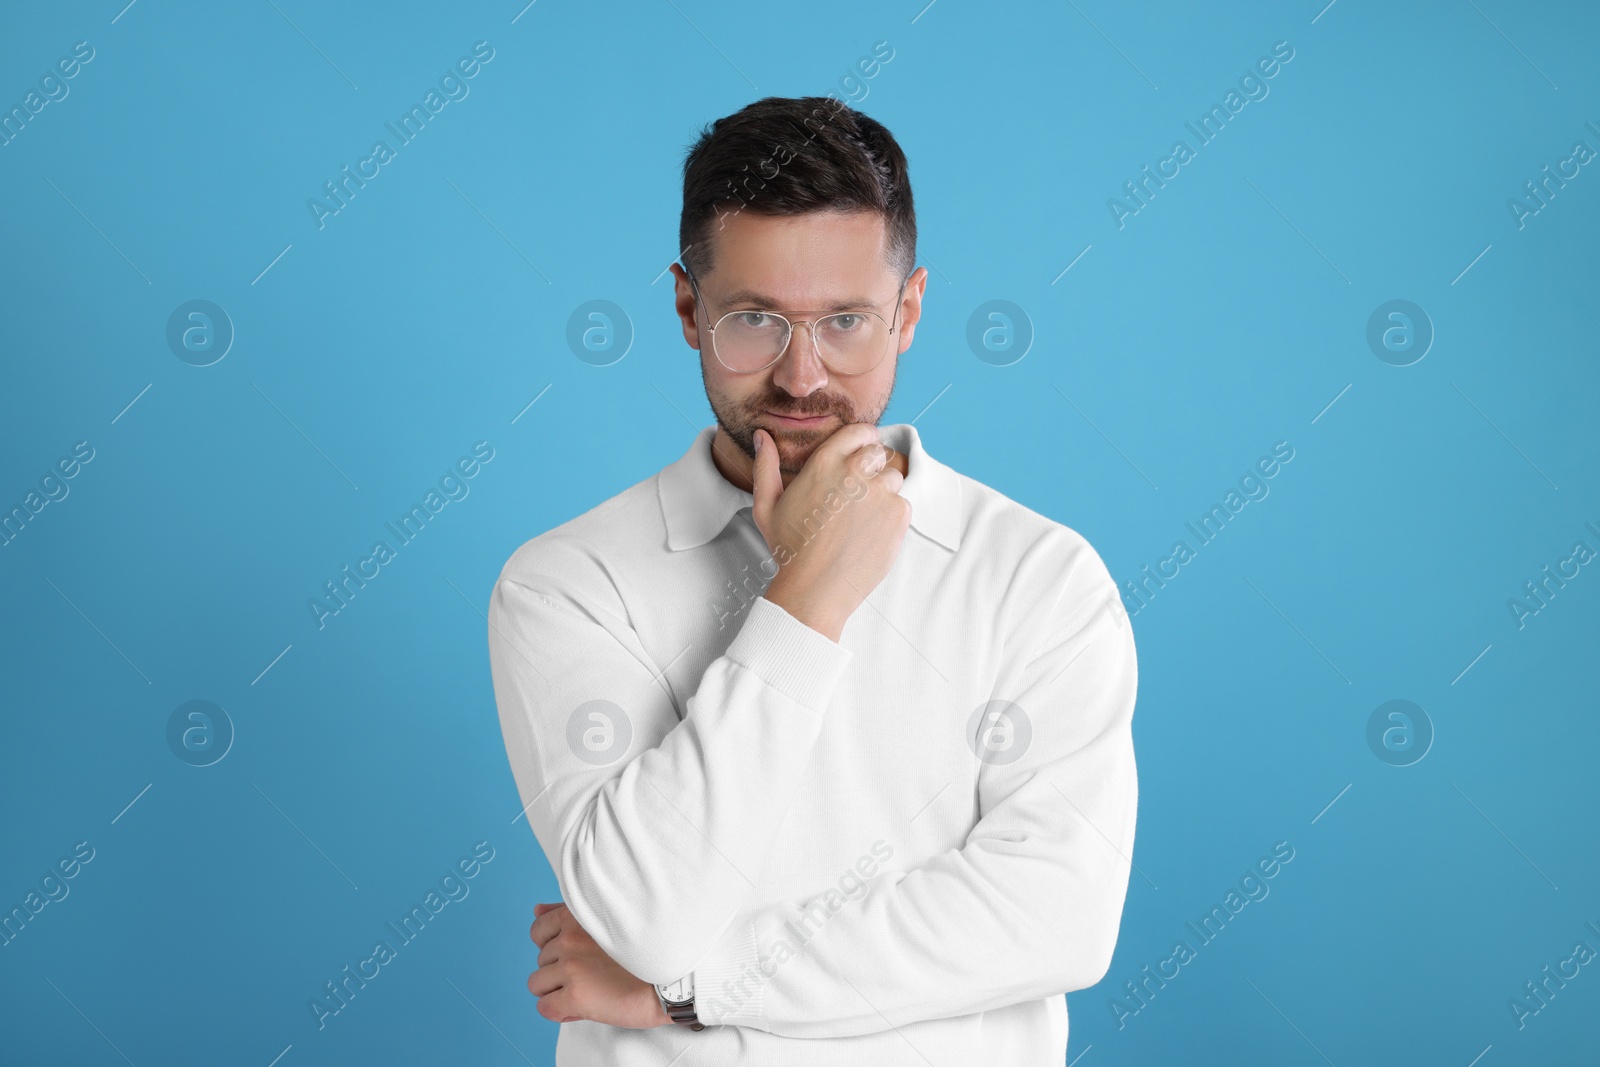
(788, 156)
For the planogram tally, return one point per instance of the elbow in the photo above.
(1095, 964)
(651, 942)
(1085, 966)
(654, 954)
(655, 928)
(1091, 947)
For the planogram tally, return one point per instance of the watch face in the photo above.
(682, 989)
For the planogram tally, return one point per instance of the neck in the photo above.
(739, 468)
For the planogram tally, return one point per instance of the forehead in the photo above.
(802, 261)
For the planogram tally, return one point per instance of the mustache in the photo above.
(802, 409)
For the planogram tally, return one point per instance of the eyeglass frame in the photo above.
(791, 324)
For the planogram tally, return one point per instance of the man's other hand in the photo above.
(577, 980)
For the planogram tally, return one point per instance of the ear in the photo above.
(911, 307)
(686, 306)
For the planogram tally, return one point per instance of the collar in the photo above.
(697, 502)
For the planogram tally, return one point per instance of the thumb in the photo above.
(766, 479)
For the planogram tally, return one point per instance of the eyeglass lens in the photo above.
(850, 342)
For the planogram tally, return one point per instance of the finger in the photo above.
(849, 438)
(551, 1012)
(548, 925)
(545, 980)
(766, 479)
(872, 460)
(560, 1007)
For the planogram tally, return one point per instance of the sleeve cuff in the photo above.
(728, 983)
(788, 655)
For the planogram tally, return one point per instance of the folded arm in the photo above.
(656, 828)
(1027, 908)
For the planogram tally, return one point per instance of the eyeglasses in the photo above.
(847, 342)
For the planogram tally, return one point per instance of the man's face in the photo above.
(802, 267)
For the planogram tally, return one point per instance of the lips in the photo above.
(800, 420)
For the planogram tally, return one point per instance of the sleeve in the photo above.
(655, 827)
(1028, 908)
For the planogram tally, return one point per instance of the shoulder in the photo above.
(577, 561)
(1052, 577)
(1016, 535)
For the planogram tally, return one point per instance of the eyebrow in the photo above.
(743, 298)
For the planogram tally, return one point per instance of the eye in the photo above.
(754, 320)
(847, 323)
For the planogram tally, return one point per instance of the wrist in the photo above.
(817, 616)
(658, 1016)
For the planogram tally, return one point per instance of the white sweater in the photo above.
(950, 787)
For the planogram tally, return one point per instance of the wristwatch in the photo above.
(677, 1000)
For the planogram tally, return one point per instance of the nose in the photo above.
(800, 370)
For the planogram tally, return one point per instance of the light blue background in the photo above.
(430, 312)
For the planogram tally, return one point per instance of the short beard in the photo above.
(738, 420)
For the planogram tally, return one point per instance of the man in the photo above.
(828, 745)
